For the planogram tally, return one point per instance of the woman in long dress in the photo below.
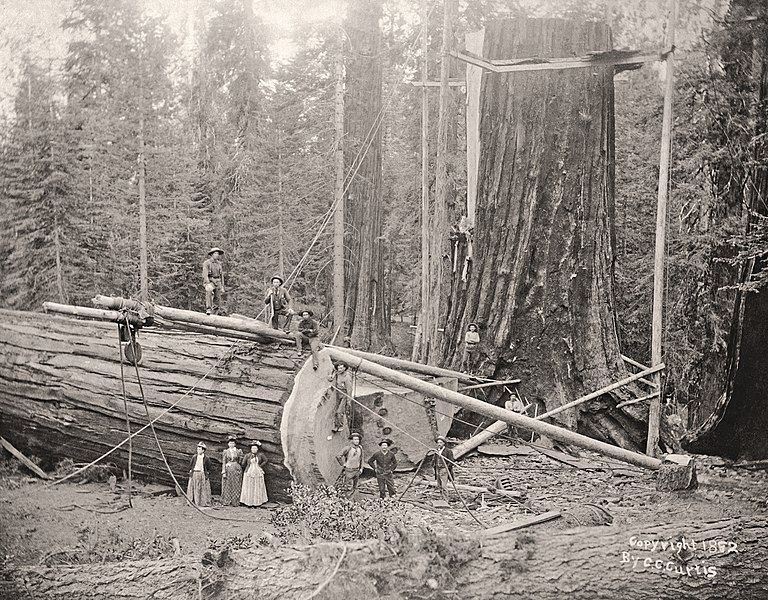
(199, 486)
(231, 473)
(254, 491)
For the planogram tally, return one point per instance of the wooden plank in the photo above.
(550, 64)
(490, 384)
(473, 488)
(23, 459)
(429, 84)
(522, 523)
(636, 400)
(665, 161)
(573, 461)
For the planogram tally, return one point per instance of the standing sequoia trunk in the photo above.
(364, 277)
(580, 564)
(541, 286)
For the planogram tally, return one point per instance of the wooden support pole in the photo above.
(550, 64)
(23, 459)
(499, 426)
(634, 363)
(83, 311)
(654, 412)
(637, 400)
(424, 313)
(435, 391)
(490, 384)
(338, 214)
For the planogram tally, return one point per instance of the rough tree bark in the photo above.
(60, 395)
(364, 277)
(541, 287)
(580, 564)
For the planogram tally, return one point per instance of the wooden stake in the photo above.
(434, 391)
(654, 412)
(338, 214)
(23, 459)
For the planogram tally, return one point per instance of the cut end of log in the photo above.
(677, 473)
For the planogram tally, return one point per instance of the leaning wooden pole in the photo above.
(499, 426)
(489, 410)
(654, 412)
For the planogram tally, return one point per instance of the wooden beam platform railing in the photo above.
(626, 58)
(511, 418)
(499, 426)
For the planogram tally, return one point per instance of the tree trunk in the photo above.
(737, 426)
(362, 123)
(338, 193)
(541, 285)
(580, 564)
(60, 395)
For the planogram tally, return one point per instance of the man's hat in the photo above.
(255, 443)
(386, 441)
(231, 438)
(440, 437)
(202, 445)
(282, 281)
(475, 324)
(356, 433)
(215, 249)
(306, 310)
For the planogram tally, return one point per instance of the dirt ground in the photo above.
(41, 524)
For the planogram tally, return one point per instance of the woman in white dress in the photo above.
(254, 491)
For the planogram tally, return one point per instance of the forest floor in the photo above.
(90, 522)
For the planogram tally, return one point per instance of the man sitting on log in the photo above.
(308, 331)
(351, 461)
(442, 459)
(384, 464)
(213, 280)
(279, 302)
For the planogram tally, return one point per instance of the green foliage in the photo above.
(324, 513)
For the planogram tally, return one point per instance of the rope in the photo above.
(158, 417)
(159, 446)
(127, 419)
(455, 489)
(361, 153)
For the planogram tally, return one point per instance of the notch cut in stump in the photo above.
(677, 473)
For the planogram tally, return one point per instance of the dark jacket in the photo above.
(245, 461)
(282, 298)
(309, 328)
(212, 269)
(207, 465)
(383, 464)
(449, 460)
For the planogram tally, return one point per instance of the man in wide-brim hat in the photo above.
(213, 280)
(351, 461)
(308, 331)
(471, 346)
(383, 462)
(279, 303)
(442, 459)
(199, 486)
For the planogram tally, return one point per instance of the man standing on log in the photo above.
(351, 461)
(279, 302)
(308, 331)
(443, 459)
(213, 280)
(384, 464)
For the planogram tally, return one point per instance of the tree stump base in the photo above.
(677, 473)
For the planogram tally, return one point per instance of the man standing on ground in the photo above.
(279, 302)
(213, 280)
(384, 464)
(308, 331)
(351, 461)
(443, 459)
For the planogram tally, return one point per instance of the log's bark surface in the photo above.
(364, 258)
(60, 395)
(580, 564)
(541, 284)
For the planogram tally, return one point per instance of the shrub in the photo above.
(324, 513)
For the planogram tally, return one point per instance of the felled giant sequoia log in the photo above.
(60, 394)
(580, 564)
(541, 282)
